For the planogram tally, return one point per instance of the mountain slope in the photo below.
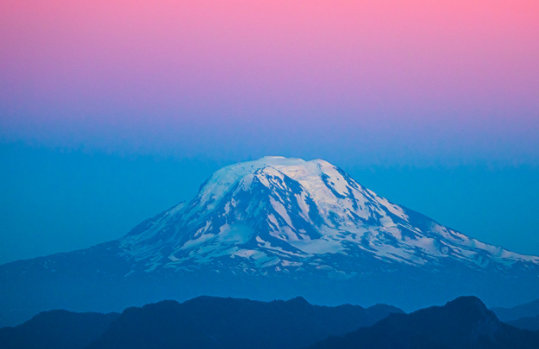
(208, 322)
(529, 309)
(460, 324)
(204, 322)
(57, 329)
(274, 228)
(526, 323)
(278, 214)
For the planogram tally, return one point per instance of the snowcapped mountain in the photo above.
(274, 228)
(283, 215)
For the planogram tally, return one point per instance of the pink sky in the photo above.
(129, 67)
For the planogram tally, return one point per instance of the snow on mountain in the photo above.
(279, 214)
(268, 229)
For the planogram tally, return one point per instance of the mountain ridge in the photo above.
(226, 323)
(464, 322)
(202, 322)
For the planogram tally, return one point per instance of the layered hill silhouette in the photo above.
(272, 229)
(464, 323)
(227, 323)
(204, 322)
(527, 323)
(529, 309)
(524, 316)
(58, 329)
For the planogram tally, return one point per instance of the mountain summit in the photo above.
(274, 228)
(278, 214)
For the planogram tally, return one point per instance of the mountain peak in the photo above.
(466, 302)
(284, 214)
(472, 306)
(298, 300)
(295, 168)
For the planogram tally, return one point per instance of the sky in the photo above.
(111, 111)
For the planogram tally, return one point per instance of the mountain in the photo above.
(204, 322)
(288, 214)
(525, 316)
(529, 309)
(526, 323)
(460, 324)
(208, 322)
(57, 329)
(274, 228)
(226, 323)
